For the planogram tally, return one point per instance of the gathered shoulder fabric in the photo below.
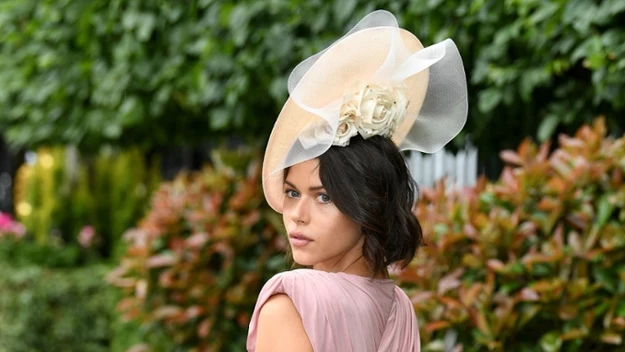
(345, 313)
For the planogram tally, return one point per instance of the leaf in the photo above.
(112, 130)
(511, 157)
(570, 142)
(620, 310)
(344, 9)
(495, 265)
(488, 99)
(528, 312)
(591, 239)
(219, 119)
(618, 323)
(205, 328)
(575, 242)
(131, 111)
(557, 184)
(436, 325)
(606, 278)
(450, 302)
(547, 126)
(165, 312)
(551, 342)
(612, 338)
(544, 12)
(450, 281)
(580, 14)
(568, 312)
(471, 261)
(481, 322)
(543, 153)
(161, 260)
(197, 240)
(469, 296)
(528, 295)
(574, 334)
(531, 79)
(145, 26)
(605, 208)
(421, 296)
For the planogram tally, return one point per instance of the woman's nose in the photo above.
(300, 212)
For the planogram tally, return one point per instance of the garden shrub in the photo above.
(532, 262)
(157, 73)
(55, 310)
(18, 249)
(67, 200)
(196, 263)
(24, 252)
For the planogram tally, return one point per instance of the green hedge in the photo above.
(49, 310)
(64, 310)
(23, 253)
(149, 73)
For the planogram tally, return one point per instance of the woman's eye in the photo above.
(291, 193)
(324, 198)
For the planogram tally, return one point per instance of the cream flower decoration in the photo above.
(374, 110)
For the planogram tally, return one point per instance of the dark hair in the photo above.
(369, 182)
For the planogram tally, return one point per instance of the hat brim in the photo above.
(353, 59)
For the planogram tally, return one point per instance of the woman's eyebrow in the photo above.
(314, 188)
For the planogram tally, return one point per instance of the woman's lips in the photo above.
(299, 240)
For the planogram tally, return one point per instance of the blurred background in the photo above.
(131, 140)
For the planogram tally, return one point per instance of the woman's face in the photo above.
(319, 234)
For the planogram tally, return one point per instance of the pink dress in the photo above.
(345, 313)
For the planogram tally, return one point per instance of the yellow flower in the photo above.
(47, 161)
(24, 209)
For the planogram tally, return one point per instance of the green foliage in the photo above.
(65, 310)
(64, 199)
(534, 261)
(539, 67)
(122, 187)
(39, 189)
(91, 72)
(47, 310)
(133, 72)
(23, 253)
(196, 263)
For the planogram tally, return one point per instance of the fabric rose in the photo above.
(374, 110)
(347, 124)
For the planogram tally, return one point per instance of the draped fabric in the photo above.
(345, 313)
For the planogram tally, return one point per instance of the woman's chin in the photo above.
(303, 260)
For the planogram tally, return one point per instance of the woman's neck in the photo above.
(351, 262)
(356, 266)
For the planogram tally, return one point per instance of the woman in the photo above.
(334, 169)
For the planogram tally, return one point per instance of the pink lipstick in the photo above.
(299, 240)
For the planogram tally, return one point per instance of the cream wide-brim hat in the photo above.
(376, 51)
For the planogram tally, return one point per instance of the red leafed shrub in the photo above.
(532, 262)
(196, 262)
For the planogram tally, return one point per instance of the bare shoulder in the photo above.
(280, 327)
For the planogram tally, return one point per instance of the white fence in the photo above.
(459, 170)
